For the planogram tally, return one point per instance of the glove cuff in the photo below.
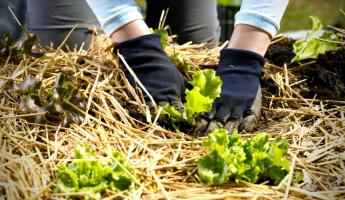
(243, 60)
(238, 56)
(149, 41)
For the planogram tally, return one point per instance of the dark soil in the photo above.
(281, 52)
(325, 77)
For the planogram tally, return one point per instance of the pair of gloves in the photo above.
(240, 102)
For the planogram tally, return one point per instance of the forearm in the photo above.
(250, 38)
(130, 30)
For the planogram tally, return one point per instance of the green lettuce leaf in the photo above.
(316, 26)
(218, 140)
(164, 35)
(209, 84)
(206, 88)
(310, 47)
(279, 165)
(196, 103)
(174, 115)
(179, 61)
(213, 169)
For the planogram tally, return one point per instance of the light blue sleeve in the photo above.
(263, 14)
(112, 14)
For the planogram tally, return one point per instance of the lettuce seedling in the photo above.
(89, 176)
(176, 58)
(164, 35)
(311, 47)
(233, 158)
(51, 101)
(179, 61)
(16, 50)
(174, 115)
(206, 88)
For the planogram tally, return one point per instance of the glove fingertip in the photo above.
(230, 126)
(250, 122)
(210, 115)
(213, 125)
(162, 103)
(201, 126)
(222, 114)
(177, 104)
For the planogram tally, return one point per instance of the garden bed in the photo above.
(303, 103)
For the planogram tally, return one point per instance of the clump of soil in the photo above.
(281, 52)
(325, 76)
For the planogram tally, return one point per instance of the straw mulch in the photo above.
(164, 161)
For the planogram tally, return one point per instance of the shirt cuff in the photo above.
(120, 20)
(257, 21)
(114, 14)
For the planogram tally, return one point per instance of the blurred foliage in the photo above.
(297, 14)
(229, 2)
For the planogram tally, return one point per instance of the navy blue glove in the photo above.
(146, 56)
(239, 104)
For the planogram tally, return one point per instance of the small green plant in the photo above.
(164, 35)
(89, 175)
(55, 102)
(206, 88)
(179, 61)
(15, 51)
(176, 58)
(311, 47)
(233, 158)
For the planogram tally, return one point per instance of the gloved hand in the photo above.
(239, 104)
(146, 57)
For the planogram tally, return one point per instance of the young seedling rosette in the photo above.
(89, 175)
(254, 159)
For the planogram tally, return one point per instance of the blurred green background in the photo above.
(297, 14)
